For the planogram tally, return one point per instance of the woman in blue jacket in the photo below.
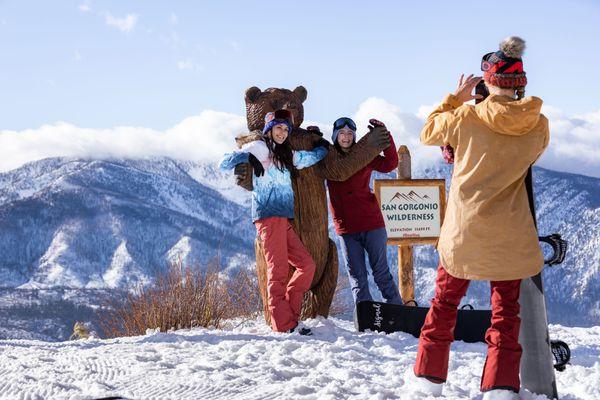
(274, 163)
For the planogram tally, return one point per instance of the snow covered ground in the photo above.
(251, 362)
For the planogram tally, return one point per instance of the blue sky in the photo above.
(65, 61)
(136, 79)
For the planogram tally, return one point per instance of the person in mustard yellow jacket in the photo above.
(488, 231)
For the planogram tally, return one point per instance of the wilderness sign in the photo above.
(413, 209)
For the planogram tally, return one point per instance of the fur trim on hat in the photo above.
(513, 46)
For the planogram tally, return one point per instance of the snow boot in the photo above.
(301, 330)
(424, 385)
(500, 394)
(419, 384)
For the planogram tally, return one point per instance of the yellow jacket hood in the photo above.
(508, 116)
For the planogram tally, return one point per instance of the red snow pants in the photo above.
(501, 369)
(283, 247)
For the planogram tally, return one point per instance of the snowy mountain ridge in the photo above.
(109, 223)
(77, 223)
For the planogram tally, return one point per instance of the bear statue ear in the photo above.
(300, 91)
(252, 94)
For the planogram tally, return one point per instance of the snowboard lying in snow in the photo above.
(383, 317)
(471, 324)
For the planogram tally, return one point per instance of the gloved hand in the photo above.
(375, 122)
(257, 166)
(379, 138)
(243, 176)
(321, 143)
(314, 129)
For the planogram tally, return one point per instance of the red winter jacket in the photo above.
(353, 206)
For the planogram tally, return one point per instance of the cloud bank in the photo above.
(200, 138)
(573, 147)
(574, 142)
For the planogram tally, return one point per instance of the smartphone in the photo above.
(482, 90)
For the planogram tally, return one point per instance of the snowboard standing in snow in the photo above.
(537, 372)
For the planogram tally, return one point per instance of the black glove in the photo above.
(243, 176)
(257, 166)
(379, 138)
(321, 143)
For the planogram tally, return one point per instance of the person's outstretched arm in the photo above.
(255, 153)
(308, 158)
(389, 161)
(230, 160)
(440, 127)
(340, 167)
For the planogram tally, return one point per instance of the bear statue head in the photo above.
(259, 103)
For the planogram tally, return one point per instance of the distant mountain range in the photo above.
(111, 223)
(72, 223)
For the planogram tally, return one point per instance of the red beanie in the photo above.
(504, 68)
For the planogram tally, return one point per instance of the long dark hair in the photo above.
(282, 154)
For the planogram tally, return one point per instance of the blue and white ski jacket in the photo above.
(272, 195)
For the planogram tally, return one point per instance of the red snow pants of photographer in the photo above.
(283, 247)
(501, 369)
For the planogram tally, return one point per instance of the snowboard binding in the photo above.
(559, 246)
(561, 353)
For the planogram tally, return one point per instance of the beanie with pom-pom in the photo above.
(504, 68)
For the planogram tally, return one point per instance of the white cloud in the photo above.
(173, 18)
(424, 111)
(126, 24)
(85, 6)
(203, 137)
(574, 142)
(77, 56)
(573, 147)
(405, 128)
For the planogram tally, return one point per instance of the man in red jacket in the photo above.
(358, 219)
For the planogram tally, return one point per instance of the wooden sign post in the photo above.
(413, 211)
(405, 252)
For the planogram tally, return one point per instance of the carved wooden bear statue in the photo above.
(310, 201)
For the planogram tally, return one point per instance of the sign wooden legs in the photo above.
(405, 253)
(405, 273)
(413, 211)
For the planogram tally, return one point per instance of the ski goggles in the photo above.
(342, 122)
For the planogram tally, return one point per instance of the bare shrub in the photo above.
(182, 298)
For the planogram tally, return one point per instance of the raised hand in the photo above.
(379, 138)
(243, 176)
(464, 90)
(375, 122)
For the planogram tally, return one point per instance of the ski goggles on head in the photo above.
(498, 63)
(342, 122)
